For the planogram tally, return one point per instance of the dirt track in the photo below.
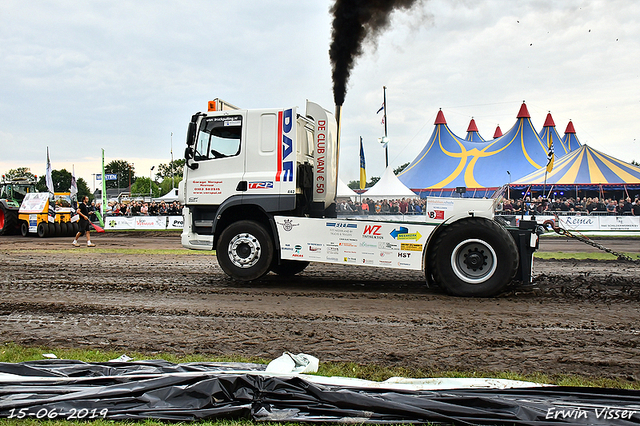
(579, 317)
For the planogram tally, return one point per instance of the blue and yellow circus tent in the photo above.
(584, 168)
(447, 161)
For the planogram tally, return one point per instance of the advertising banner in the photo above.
(143, 222)
(579, 223)
(34, 202)
(619, 223)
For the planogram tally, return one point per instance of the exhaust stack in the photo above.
(338, 120)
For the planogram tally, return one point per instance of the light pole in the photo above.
(150, 194)
(509, 187)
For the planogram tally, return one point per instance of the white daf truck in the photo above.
(259, 187)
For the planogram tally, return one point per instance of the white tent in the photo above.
(170, 196)
(389, 187)
(345, 192)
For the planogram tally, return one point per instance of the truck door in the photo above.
(220, 156)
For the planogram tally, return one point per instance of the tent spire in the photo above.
(472, 126)
(440, 118)
(498, 132)
(570, 128)
(549, 121)
(524, 112)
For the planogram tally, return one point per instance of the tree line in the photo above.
(163, 178)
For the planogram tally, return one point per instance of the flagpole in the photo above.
(104, 189)
(173, 185)
(384, 104)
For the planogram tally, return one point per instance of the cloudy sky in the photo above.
(125, 76)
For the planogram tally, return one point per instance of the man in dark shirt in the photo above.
(84, 224)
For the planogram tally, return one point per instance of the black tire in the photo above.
(51, 230)
(473, 257)
(43, 230)
(24, 228)
(245, 250)
(58, 230)
(63, 229)
(287, 267)
(8, 220)
(75, 228)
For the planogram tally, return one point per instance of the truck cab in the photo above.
(255, 163)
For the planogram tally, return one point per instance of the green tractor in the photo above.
(12, 192)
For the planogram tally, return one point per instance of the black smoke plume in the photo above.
(354, 22)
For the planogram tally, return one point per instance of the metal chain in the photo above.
(587, 240)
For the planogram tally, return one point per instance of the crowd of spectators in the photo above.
(527, 206)
(370, 207)
(143, 208)
(572, 206)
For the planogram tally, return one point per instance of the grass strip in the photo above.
(13, 353)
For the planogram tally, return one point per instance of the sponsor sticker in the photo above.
(411, 247)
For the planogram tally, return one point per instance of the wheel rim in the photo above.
(244, 250)
(474, 261)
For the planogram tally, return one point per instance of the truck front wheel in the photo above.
(245, 250)
(474, 257)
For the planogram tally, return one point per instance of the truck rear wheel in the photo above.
(287, 267)
(474, 257)
(245, 250)
(24, 228)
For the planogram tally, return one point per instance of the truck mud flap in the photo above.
(526, 239)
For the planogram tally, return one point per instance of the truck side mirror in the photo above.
(191, 134)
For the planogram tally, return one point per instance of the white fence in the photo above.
(151, 223)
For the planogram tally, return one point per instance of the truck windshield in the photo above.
(219, 137)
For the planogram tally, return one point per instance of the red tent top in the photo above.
(549, 121)
(440, 118)
(498, 132)
(472, 126)
(524, 112)
(570, 128)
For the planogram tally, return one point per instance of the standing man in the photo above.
(84, 224)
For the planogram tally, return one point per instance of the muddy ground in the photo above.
(579, 317)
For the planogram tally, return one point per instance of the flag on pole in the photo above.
(550, 154)
(381, 108)
(363, 173)
(74, 185)
(48, 178)
(52, 199)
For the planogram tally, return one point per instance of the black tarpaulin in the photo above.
(183, 392)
